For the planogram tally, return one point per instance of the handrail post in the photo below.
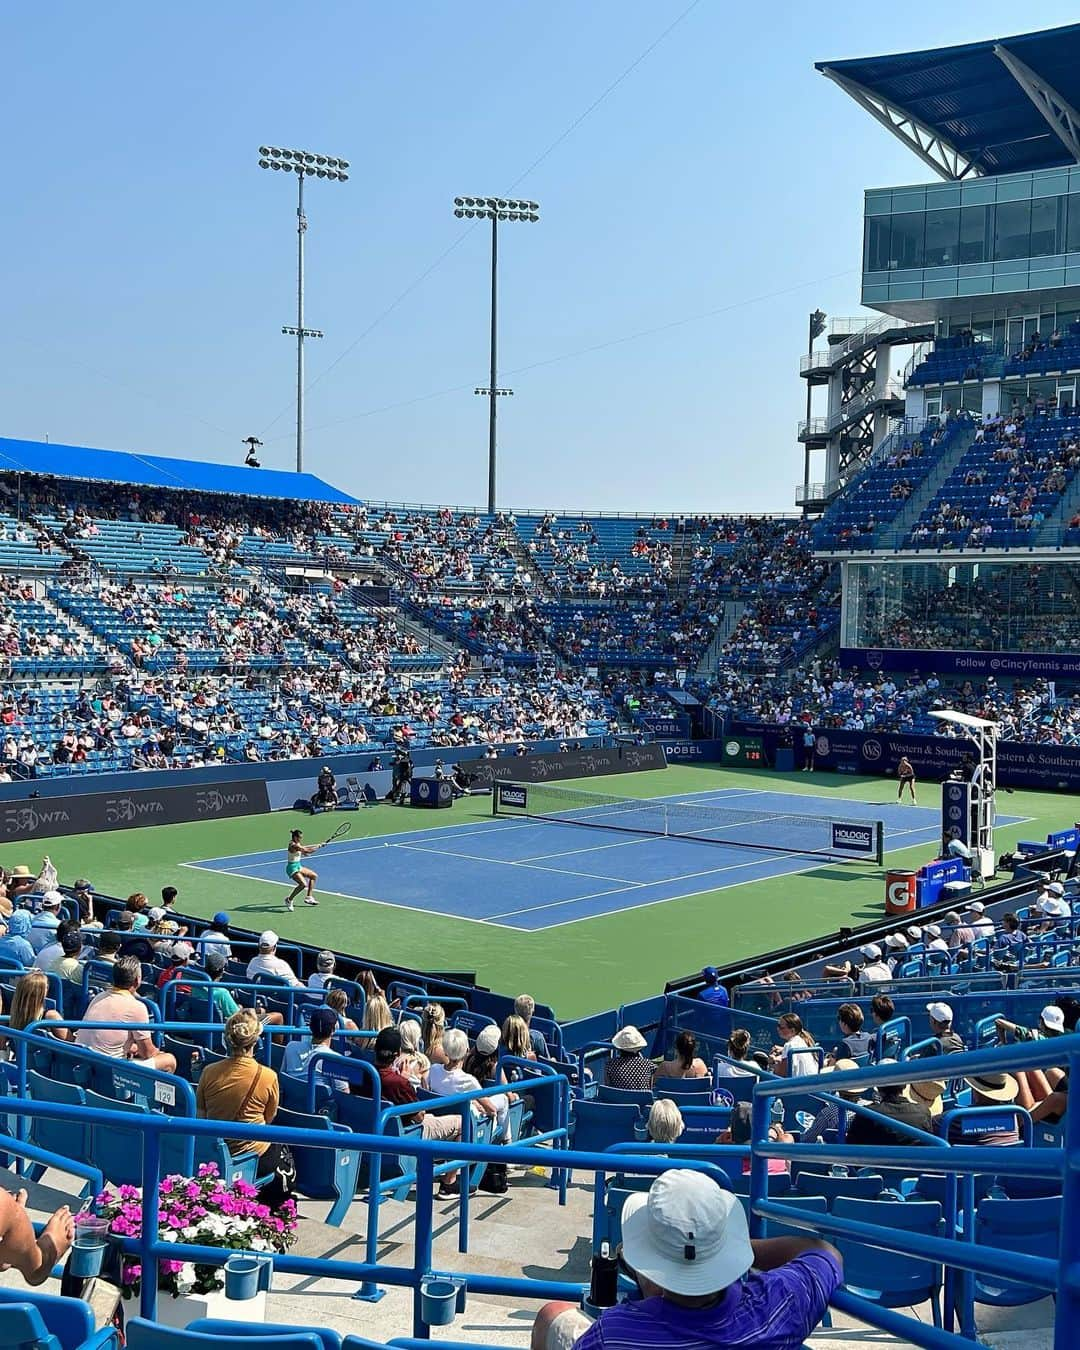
(1068, 1290)
(468, 1136)
(759, 1164)
(425, 1209)
(966, 1187)
(151, 1168)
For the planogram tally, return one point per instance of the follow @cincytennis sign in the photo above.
(93, 812)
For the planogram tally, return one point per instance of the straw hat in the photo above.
(927, 1092)
(995, 1087)
(628, 1039)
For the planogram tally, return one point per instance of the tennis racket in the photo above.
(342, 830)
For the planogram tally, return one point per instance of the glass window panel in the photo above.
(942, 237)
(877, 244)
(906, 242)
(1044, 226)
(1072, 233)
(1012, 230)
(973, 221)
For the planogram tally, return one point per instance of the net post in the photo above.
(879, 830)
(495, 796)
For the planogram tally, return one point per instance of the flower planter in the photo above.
(180, 1312)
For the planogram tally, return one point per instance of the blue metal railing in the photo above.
(961, 1161)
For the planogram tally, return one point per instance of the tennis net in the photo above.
(782, 831)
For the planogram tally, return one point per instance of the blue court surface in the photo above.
(534, 875)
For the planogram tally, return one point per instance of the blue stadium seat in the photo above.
(219, 1326)
(889, 1278)
(33, 1321)
(144, 1335)
(1028, 1226)
(834, 1189)
(324, 1173)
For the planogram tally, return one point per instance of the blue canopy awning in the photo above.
(997, 103)
(192, 475)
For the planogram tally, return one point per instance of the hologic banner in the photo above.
(1048, 665)
(573, 764)
(93, 812)
(1019, 763)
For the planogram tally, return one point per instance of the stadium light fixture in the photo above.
(305, 164)
(495, 209)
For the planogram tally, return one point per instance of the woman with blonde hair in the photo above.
(377, 1015)
(431, 1033)
(339, 1001)
(412, 1063)
(515, 1038)
(28, 1004)
(242, 1090)
(665, 1123)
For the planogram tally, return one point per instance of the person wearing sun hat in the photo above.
(703, 1280)
(928, 1092)
(989, 1089)
(628, 1068)
(1052, 906)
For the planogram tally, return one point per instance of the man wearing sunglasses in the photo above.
(703, 1281)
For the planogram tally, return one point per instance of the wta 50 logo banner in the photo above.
(46, 817)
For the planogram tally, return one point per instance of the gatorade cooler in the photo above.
(900, 892)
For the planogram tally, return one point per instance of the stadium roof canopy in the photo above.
(190, 475)
(1007, 105)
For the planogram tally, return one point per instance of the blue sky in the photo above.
(713, 194)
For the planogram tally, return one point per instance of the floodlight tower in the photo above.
(305, 165)
(494, 209)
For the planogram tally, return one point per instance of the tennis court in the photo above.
(534, 875)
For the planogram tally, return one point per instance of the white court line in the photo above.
(377, 840)
(340, 895)
(661, 900)
(663, 881)
(595, 848)
(509, 862)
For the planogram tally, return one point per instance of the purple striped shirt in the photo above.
(776, 1310)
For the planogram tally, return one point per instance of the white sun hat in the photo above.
(686, 1234)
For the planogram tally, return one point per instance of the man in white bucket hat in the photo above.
(704, 1281)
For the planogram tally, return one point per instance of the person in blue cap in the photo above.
(713, 991)
(217, 936)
